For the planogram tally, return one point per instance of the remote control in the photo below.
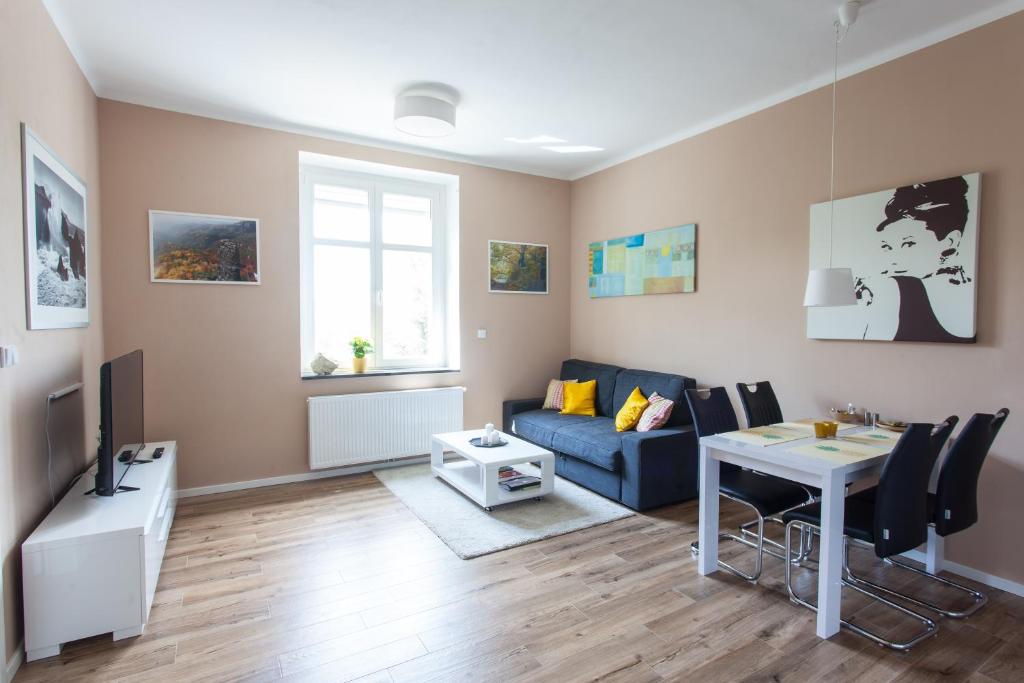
(158, 453)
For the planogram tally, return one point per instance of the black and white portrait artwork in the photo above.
(913, 253)
(56, 244)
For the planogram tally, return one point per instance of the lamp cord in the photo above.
(832, 163)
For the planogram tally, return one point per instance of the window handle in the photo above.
(380, 298)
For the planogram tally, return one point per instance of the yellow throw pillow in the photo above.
(579, 398)
(631, 411)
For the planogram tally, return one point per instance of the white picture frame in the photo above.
(198, 232)
(56, 213)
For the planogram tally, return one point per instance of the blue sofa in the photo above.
(642, 470)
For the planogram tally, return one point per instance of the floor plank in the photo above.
(336, 580)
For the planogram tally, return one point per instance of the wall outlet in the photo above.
(481, 333)
(8, 356)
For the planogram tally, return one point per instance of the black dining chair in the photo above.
(759, 404)
(765, 494)
(895, 522)
(762, 408)
(954, 505)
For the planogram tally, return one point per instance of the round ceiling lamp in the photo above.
(426, 112)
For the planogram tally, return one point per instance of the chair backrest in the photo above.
(901, 502)
(956, 495)
(759, 404)
(713, 413)
(940, 434)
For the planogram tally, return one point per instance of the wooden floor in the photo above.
(336, 580)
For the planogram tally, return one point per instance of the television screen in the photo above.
(122, 428)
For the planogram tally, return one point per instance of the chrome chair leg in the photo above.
(979, 598)
(930, 627)
(803, 550)
(759, 547)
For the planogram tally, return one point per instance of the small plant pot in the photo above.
(359, 364)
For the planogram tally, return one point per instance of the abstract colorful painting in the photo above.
(657, 262)
(517, 267)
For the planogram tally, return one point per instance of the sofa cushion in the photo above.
(584, 371)
(539, 426)
(667, 385)
(594, 440)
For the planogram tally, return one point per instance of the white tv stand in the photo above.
(92, 566)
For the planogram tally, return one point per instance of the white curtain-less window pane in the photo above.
(408, 305)
(406, 220)
(341, 213)
(341, 299)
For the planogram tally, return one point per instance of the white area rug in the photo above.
(471, 531)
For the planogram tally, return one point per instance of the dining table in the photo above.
(824, 463)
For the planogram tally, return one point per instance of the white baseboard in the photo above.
(301, 476)
(972, 574)
(15, 663)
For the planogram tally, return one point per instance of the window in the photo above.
(375, 255)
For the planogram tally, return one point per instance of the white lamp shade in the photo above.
(830, 287)
(424, 115)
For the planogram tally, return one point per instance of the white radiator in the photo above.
(361, 428)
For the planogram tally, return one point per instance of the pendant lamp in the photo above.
(833, 286)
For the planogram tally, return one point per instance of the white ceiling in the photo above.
(625, 75)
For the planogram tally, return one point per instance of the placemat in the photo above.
(839, 451)
(764, 436)
(807, 424)
(874, 437)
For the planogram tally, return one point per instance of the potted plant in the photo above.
(360, 347)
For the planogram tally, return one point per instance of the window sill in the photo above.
(379, 372)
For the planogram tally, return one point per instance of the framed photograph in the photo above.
(656, 262)
(913, 251)
(517, 267)
(56, 244)
(193, 247)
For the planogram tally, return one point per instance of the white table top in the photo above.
(516, 451)
(781, 455)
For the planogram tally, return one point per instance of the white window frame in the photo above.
(377, 180)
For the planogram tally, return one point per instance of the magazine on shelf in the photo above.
(520, 483)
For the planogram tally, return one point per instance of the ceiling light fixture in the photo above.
(536, 140)
(834, 286)
(573, 149)
(426, 111)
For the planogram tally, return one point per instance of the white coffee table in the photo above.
(475, 473)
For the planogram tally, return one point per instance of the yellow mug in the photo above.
(822, 430)
(833, 428)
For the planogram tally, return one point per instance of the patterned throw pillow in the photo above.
(656, 416)
(555, 397)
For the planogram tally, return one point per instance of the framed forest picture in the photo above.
(517, 267)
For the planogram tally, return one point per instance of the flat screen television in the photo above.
(122, 427)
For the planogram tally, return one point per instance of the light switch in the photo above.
(481, 333)
(8, 356)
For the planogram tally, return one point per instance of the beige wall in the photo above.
(222, 362)
(41, 85)
(953, 108)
